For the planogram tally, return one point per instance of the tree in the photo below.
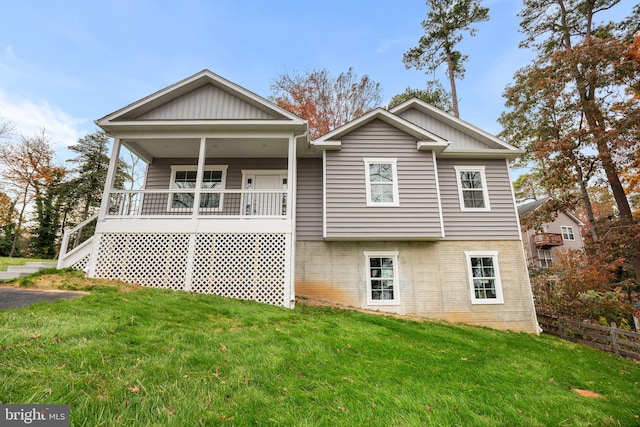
(445, 23)
(326, 101)
(26, 164)
(7, 223)
(578, 82)
(92, 164)
(434, 94)
(48, 198)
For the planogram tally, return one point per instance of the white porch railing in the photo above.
(213, 203)
(76, 241)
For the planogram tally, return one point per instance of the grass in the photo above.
(6, 261)
(130, 356)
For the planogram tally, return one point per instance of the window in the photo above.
(567, 233)
(484, 277)
(381, 182)
(472, 188)
(382, 278)
(544, 255)
(184, 177)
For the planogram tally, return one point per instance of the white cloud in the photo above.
(29, 117)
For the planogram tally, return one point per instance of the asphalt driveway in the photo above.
(13, 298)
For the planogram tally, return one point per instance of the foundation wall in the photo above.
(433, 280)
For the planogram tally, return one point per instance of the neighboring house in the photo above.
(408, 211)
(542, 246)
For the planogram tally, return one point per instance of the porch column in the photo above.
(199, 176)
(111, 175)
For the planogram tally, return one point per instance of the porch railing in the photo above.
(213, 203)
(76, 238)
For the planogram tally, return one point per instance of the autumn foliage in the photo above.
(326, 102)
(582, 287)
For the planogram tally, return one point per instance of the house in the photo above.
(542, 246)
(407, 211)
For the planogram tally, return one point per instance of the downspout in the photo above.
(293, 190)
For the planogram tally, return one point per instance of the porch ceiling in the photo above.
(148, 149)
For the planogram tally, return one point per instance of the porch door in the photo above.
(266, 203)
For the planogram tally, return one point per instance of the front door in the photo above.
(268, 202)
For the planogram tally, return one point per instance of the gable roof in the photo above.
(495, 146)
(532, 206)
(426, 140)
(204, 97)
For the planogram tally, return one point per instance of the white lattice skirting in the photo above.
(252, 266)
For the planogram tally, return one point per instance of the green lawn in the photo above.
(153, 357)
(6, 261)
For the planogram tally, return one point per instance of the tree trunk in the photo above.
(587, 201)
(452, 82)
(17, 232)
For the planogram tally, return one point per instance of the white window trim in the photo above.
(485, 192)
(499, 299)
(541, 258)
(396, 275)
(394, 168)
(567, 228)
(176, 168)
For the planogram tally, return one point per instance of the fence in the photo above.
(606, 338)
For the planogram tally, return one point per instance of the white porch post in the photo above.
(199, 176)
(111, 175)
(188, 280)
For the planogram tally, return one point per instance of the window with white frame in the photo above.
(382, 278)
(185, 177)
(484, 277)
(544, 255)
(472, 188)
(567, 233)
(381, 182)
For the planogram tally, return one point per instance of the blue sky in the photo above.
(65, 64)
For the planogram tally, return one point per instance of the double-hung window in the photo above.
(382, 278)
(567, 233)
(185, 177)
(381, 182)
(484, 277)
(544, 255)
(472, 188)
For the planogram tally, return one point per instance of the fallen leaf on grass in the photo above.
(33, 337)
(133, 389)
(428, 408)
(463, 358)
(342, 408)
(223, 347)
(587, 393)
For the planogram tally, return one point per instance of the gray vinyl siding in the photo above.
(348, 216)
(500, 223)
(206, 102)
(309, 200)
(457, 139)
